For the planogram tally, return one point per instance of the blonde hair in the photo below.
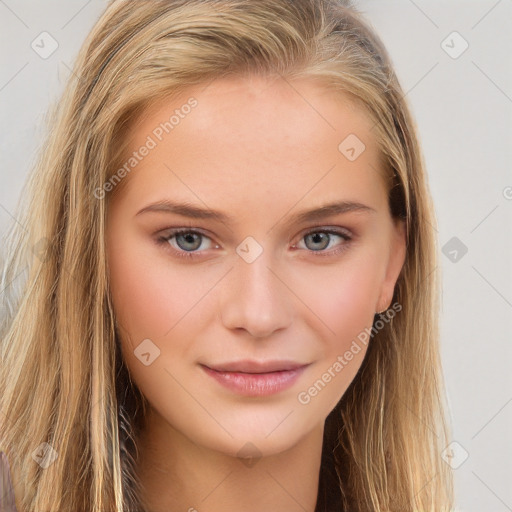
(63, 380)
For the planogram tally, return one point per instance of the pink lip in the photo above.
(251, 378)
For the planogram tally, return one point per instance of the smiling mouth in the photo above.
(256, 379)
(248, 366)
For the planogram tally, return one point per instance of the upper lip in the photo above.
(248, 366)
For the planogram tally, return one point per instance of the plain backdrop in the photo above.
(453, 60)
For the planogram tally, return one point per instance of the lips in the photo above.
(247, 366)
(256, 378)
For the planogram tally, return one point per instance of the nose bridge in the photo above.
(254, 298)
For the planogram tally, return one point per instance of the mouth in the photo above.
(247, 366)
(254, 378)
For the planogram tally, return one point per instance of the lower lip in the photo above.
(256, 384)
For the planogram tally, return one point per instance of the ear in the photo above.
(397, 252)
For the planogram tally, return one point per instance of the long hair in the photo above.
(69, 412)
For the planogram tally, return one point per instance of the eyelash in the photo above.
(164, 241)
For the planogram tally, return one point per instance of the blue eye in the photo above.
(321, 237)
(185, 243)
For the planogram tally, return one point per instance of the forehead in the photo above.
(254, 140)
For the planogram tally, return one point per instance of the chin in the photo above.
(258, 434)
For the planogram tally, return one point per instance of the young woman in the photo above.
(230, 300)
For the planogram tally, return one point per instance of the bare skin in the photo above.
(260, 151)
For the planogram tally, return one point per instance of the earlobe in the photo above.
(397, 254)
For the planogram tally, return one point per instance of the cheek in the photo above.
(343, 297)
(345, 304)
(152, 302)
(150, 295)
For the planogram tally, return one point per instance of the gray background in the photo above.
(462, 105)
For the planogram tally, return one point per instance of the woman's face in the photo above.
(247, 326)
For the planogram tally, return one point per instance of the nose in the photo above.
(255, 298)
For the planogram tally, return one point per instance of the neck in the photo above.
(178, 475)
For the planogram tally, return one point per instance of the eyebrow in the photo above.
(195, 212)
